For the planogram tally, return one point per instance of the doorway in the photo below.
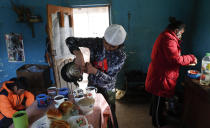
(96, 21)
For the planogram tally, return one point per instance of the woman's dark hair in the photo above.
(13, 79)
(175, 24)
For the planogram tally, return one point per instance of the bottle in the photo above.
(205, 70)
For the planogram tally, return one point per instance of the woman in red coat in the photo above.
(163, 70)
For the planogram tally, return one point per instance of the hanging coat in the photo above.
(166, 60)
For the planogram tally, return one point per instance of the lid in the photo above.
(207, 54)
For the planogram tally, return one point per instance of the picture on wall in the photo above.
(15, 49)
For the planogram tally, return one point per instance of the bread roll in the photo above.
(59, 124)
(66, 107)
(54, 114)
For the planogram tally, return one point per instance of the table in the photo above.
(99, 117)
(196, 109)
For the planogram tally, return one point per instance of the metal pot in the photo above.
(71, 72)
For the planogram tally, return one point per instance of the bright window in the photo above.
(90, 22)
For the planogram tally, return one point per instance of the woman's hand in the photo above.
(191, 64)
(89, 69)
(194, 63)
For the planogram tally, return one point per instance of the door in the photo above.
(59, 27)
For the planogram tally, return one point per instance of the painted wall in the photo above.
(142, 19)
(200, 43)
(34, 47)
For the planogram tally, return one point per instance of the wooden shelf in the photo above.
(38, 20)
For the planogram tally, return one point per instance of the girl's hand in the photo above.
(79, 60)
(89, 69)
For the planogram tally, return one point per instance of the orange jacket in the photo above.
(10, 102)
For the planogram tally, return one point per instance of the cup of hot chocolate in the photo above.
(58, 100)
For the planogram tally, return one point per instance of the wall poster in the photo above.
(15, 49)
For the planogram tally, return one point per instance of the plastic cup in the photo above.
(52, 92)
(20, 119)
(42, 100)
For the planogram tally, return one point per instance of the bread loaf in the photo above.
(54, 114)
(66, 107)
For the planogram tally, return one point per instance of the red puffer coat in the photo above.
(164, 68)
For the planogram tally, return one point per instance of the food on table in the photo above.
(81, 122)
(59, 124)
(193, 72)
(66, 107)
(79, 96)
(53, 113)
(86, 105)
(88, 95)
(86, 101)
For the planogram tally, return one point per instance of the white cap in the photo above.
(115, 35)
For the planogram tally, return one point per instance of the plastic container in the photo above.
(52, 92)
(64, 92)
(20, 119)
(92, 90)
(205, 70)
(193, 74)
(42, 100)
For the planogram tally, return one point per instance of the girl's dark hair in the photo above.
(175, 24)
(20, 82)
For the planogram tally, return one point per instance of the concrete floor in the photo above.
(133, 116)
(133, 110)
